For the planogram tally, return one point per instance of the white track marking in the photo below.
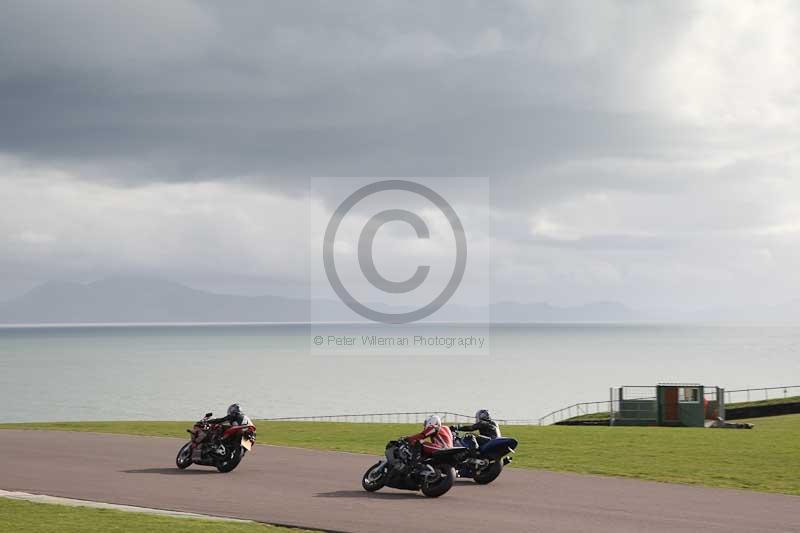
(43, 498)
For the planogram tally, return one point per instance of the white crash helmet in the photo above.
(432, 420)
(482, 414)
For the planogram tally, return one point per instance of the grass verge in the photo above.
(29, 517)
(763, 459)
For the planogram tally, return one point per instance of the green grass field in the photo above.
(28, 517)
(764, 459)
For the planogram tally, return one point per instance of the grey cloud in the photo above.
(285, 90)
(556, 102)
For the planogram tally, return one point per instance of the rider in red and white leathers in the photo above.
(440, 436)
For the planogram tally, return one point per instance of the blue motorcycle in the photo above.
(484, 458)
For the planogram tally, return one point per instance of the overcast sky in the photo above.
(646, 153)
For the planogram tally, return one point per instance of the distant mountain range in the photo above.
(152, 300)
(544, 312)
(131, 300)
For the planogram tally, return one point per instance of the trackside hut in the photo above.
(666, 404)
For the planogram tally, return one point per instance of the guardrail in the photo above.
(410, 417)
(571, 411)
(761, 393)
(731, 396)
(576, 409)
(382, 418)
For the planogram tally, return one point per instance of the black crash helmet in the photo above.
(482, 415)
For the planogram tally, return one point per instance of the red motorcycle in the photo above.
(217, 445)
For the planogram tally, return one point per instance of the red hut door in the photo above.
(671, 404)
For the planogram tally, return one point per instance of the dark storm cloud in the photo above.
(189, 91)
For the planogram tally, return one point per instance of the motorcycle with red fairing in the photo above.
(220, 446)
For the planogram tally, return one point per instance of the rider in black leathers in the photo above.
(486, 427)
(235, 417)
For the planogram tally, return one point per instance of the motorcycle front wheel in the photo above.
(184, 458)
(373, 480)
(442, 485)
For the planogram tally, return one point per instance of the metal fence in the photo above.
(411, 417)
(380, 418)
(571, 411)
(763, 393)
(574, 410)
(648, 393)
(634, 403)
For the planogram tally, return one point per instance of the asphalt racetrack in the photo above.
(317, 489)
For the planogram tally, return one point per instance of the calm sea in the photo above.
(179, 372)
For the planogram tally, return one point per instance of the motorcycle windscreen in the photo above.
(496, 448)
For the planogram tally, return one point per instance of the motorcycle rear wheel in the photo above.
(231, 460)
(490, 473)
(184, 457)
(371, 485)
(444, 484)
